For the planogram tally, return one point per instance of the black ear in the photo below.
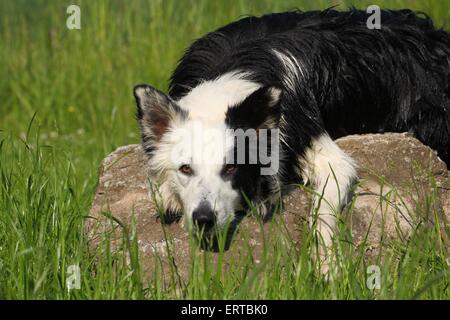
(156, 111)
(260, 110)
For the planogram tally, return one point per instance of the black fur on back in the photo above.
(354, 79)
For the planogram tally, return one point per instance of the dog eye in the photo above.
(186, 169)
(230, 168)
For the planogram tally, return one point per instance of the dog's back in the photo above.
(350, 79)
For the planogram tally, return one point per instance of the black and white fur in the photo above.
(316, 76)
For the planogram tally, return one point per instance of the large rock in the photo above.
(397, 173)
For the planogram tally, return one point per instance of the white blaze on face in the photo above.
(203, 148)
(210, 100)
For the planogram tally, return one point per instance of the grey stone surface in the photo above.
(396, 171)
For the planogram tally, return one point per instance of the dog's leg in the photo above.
(332, 173)
(167, 206)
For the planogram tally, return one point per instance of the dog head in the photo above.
(210, 170)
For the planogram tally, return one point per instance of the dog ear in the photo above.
(156, 111)
(260, 110)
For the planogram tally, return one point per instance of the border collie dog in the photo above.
(303, 79)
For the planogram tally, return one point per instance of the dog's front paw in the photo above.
(170, 216)
(267, 209)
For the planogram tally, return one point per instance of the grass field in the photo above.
(66, 102)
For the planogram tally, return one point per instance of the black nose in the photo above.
(203, 216)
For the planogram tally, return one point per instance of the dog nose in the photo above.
(203, 216)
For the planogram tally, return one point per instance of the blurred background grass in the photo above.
(78, 84)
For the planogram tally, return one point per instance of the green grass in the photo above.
(66, 101)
